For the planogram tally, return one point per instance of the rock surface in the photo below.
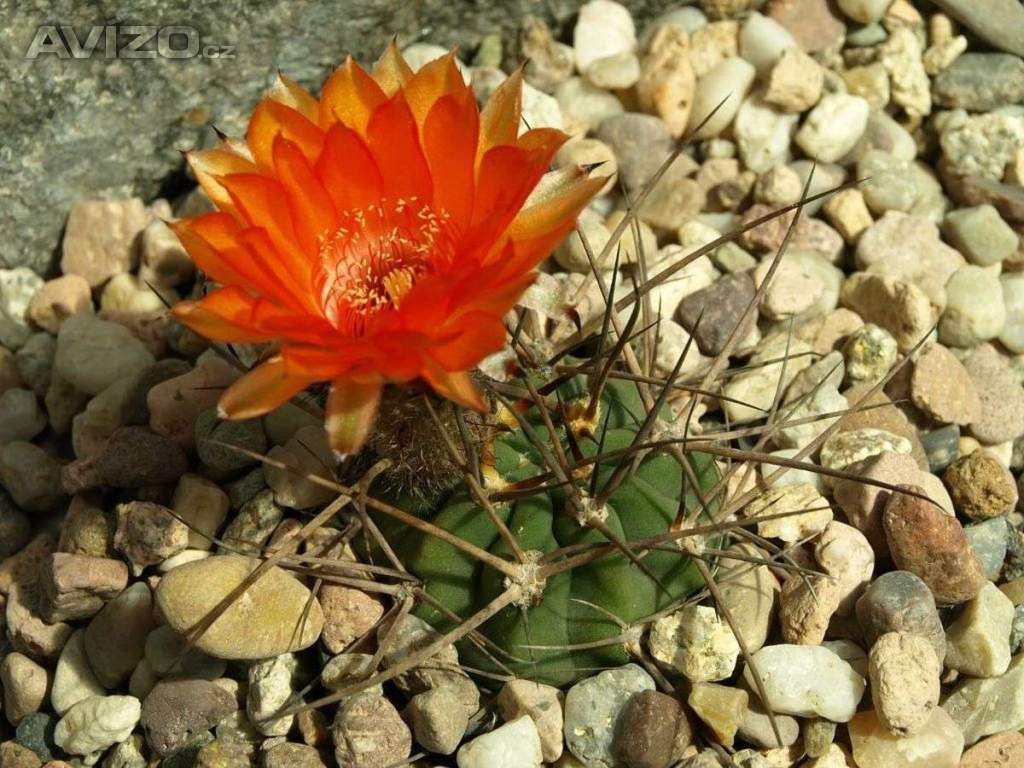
(144, 116)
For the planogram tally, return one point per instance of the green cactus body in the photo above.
(535, 637)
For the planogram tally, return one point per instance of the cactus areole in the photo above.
(569, 624)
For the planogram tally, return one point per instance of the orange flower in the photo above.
(378, 234)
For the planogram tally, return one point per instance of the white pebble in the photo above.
(833, 127)
(807, 681)
(603, 28)
(513, 745)
(729, 80)
(96, 723)
(974, 308)
(762, 41)
(74, 680)
(763, 134)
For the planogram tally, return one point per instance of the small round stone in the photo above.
(696, 642)
(870, 353)
(1002, 397)
(25, 684)
(898, 601)
(981, 234)
(720, 707)
(845, 448)
(638, 142)
(978, 641)
(980, 486)
(543, 704)
(936, 744)
(96, 723)
(438, 720)
(833, 127)
(654, 728)
(92, 353)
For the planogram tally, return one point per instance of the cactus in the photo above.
(556, 630)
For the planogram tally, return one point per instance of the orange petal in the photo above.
(320, 363)
(209, 239)
(208, 164)
(507, 175)
(392, 71)
(290, 93)
(499, 121)
(260, 391)
(241, 257)
(351, 410)
(258, 199)
(312, 210)
(394, 141)
(478, 334)
(281, 282)
(348, 171)
(529, 252)
(271, 119)
(350, 96)
(450, 134)
(558, 205)
(495, 291)
(223, 315)
(434, 80)
(456, 386)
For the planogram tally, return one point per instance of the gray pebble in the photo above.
(899, 601)
(988, 539)
(980, 82)
(942, 446)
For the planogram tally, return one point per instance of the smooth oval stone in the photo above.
(271, 617)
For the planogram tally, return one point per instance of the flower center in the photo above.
(374, 258)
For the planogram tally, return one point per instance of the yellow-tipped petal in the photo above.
(351, 410)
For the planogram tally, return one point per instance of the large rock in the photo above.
(114, 129)
(276, 615)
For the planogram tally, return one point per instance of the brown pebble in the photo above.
(815, 24)
(57, 300)
(1003, 750)
(981, 487)
(176, 710)
(132, 457)
(1001, 396)
(926, 541)
(77, 586)
(100, 238)
(719, 309)
(148, 533)
(13, 755)
(369, 731)
(348, 613)
(942, 388)
(654, 730)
